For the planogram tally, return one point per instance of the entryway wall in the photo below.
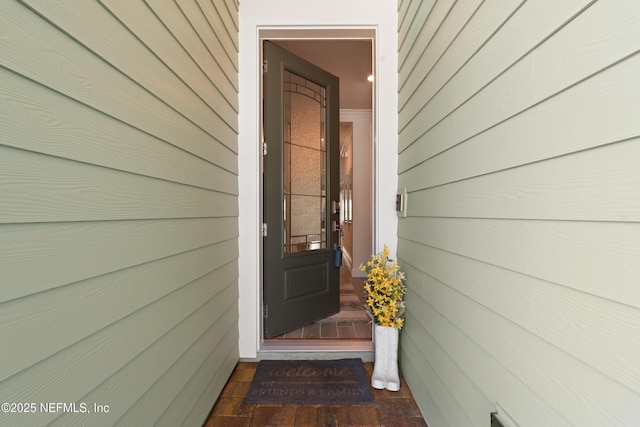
(348, 19)
(361, 167)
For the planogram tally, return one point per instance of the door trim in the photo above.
(293, 33)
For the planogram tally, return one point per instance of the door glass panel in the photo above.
(305, 163)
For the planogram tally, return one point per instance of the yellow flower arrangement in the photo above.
(385, 289)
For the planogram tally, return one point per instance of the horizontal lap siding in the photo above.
(518, 145)
(118, 208)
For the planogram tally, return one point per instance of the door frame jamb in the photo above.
(313, 33)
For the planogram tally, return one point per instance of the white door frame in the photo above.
(267, 19)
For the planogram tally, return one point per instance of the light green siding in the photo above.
(519, 142)
(118, 209)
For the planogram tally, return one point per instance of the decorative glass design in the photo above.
(305, 164)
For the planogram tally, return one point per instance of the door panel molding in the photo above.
(291, 276)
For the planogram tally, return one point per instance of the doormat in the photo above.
(310, 382)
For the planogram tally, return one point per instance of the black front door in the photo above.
(301, 192)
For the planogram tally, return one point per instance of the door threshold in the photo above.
(317, 345)
(316, 350)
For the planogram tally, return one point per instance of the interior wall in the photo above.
(363, 179)
(346, 185)
(519, 146)
(331, 18)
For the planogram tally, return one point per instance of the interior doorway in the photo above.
(352, 61)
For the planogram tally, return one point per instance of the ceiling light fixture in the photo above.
(370, 78)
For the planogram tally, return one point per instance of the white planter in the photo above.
(385, 369)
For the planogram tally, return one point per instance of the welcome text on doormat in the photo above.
(310, 382)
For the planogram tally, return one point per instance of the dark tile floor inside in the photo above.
(392, 409)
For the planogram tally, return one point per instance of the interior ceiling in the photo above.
(349, 60)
